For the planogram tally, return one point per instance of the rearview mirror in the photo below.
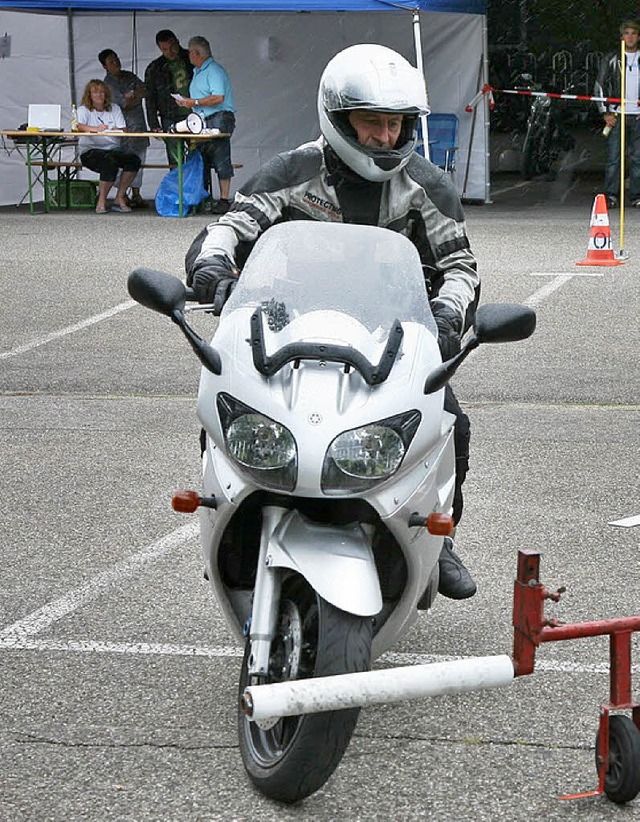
(156, 290)
(167, 294)
(495, 322)
(504, 322)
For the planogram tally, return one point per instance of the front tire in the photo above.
(293, 758)
(529, 166)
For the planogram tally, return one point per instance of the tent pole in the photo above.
(485, 104)
(417, 40)
(72, 55)
(134, 43)
(473, 130)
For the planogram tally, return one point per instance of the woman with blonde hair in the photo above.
(100, 120)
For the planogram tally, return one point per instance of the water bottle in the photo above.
(74, 117)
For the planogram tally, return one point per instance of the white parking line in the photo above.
(549, 665)
(70, 329)
(133, 648)
(226, 652)
(582, 273)
(52, 612)
(20, 635)
(542, 293)
(627, 522)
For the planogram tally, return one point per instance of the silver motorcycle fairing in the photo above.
(428, 487)
(336, 561)
(423, 485)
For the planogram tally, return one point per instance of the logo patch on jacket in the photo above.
(320, 204)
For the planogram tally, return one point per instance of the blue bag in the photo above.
(193, 190)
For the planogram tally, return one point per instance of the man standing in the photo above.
(364, 169)
(211, 96)
(127, 91)
(608, 85)
(169, 74)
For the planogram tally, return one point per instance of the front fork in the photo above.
(266, 598)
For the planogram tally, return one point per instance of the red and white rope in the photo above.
(487, 89)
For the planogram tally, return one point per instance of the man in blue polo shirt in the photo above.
(212, 98)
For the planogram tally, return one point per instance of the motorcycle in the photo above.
(328, 469)
(547, 135)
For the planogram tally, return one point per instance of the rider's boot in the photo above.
(455, 581)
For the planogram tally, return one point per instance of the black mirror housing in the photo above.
(156, 290)
(495, 322)
(504, 322)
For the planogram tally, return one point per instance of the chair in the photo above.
(443, 138)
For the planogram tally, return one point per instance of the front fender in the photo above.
(336, 561)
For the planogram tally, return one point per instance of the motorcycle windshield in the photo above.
(370, 274)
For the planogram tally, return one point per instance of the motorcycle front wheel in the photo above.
(531, 150)
(295, 756)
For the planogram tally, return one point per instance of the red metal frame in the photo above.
(531, 628)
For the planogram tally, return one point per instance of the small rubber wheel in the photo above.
(622, 779)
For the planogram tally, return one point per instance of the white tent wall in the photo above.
(274, 61)
(36, 72)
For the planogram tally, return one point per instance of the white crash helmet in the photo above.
(374, 78)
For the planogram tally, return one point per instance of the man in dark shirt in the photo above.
(127, 91)
(608, 84)
(169, 74)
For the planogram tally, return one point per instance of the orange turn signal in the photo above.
(185, 502)
(440, 524)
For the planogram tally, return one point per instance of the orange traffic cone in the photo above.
(599, 250)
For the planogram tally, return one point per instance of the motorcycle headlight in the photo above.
(358, 459)
(261, 447)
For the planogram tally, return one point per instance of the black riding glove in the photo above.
(449, 331)
(213, 281)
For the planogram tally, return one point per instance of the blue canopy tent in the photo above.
(466, 6)
(274, 51)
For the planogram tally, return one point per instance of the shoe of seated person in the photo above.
(221, 207)
(612, 201)
(635, 203)
(455, 581)
(138, 202)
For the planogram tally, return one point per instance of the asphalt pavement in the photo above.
(119, 676)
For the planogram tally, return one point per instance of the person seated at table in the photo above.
(102, 152)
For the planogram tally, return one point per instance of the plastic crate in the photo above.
(82, 193)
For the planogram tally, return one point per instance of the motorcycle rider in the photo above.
(363, 169)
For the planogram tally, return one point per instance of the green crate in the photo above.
(82, 193)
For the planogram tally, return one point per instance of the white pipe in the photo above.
(334, 693)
